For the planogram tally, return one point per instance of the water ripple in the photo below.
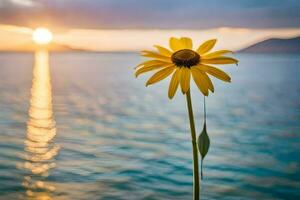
(113, 139)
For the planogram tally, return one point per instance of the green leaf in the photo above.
(203, 142)
(203, 146)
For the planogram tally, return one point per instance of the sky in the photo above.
(110, 22)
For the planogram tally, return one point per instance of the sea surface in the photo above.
(81, 126)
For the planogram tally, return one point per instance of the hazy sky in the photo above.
(183, 14)
(120, 25)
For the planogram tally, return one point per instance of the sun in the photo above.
(42, 36)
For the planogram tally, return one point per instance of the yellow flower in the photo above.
(182, 61)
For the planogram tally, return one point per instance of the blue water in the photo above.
(117, 139)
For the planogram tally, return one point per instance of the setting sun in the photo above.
(42, 36)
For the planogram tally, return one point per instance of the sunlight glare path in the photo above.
(41, 130)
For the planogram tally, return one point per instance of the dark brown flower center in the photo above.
(185, 58)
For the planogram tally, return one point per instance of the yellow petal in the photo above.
(206, 46)
(208, 81)
(185, 77)
(176, 44)
(215, 54)
(155, 55)
(163, 51)
(160, 75)
(174, 83)
(219, 60)
(205, 79)
(215, 72)
(150, 68)
(198, 78)
(150, 63)
(186, 43)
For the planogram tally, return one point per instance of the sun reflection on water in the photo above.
(40, 150)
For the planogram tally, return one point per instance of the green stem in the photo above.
(194, 143)
(204, 108)
(201, 169)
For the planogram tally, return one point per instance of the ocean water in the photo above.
(81, 126)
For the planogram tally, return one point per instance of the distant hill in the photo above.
(31, 47)
(274, 45)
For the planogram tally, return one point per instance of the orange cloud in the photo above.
(137, 39)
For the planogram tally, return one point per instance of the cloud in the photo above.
(18, 3)
(193, 14)
(23, 2)
(138, 39)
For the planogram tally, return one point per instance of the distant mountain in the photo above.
(31, 47)
(274, 45)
